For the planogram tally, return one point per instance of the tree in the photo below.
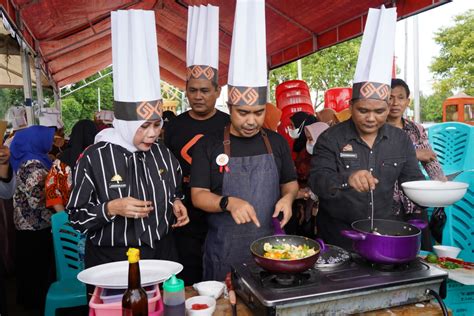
(431, 107)
(328, 68)
(453, 69)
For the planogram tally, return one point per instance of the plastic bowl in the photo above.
(210, 288)
(432, 193)
(209, 301)
(446, 251)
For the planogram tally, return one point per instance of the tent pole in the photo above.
(27, 90)
(416, 70)
(39, 84)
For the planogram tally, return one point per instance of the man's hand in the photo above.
(4, 155)
(425, 155)
(242, 211)
(283, 206)
(129, 207)
(181, 214)
(362, 181)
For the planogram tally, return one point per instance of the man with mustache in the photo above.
(363, 154)
(243, 176)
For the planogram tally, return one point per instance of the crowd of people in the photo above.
(201, 191)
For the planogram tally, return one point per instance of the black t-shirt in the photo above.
(205, 171)
(183, 132)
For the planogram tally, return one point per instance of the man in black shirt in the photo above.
(182, 133)
(243, 176)
(363, 155)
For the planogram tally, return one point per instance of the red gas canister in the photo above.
(337, 98)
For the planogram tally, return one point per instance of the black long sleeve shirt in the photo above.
(340, 151)
(106, 172)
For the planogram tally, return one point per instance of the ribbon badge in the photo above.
(222, 160)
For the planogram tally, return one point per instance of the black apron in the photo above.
(254, 179)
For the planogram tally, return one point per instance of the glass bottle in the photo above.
(134, 300)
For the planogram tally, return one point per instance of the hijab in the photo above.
(82, 136)
(272, 117)
(31, 143)
(122, 134)
(301, 119)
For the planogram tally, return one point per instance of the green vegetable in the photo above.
(432, 258)
(450, 265)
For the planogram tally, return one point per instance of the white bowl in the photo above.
(210, 288)
(210, 301)
(433, 193)
(446, 251)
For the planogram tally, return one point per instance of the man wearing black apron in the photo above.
(242, 176)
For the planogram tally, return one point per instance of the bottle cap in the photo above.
(133, 255)
(173, 284)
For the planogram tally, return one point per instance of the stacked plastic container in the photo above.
(337, 98)
(106, 302)
(291, 97)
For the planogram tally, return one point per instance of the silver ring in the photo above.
(136, 215)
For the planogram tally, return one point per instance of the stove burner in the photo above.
(411, 266)
(285, 281)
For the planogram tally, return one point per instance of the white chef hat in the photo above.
(374, 66)
(202, 45)
(137, 92)
(248, 56)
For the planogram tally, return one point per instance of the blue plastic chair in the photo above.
(452, 142)
(67, 291)
(459, 228)
(459, 232)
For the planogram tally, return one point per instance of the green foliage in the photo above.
(9, 97)
(83, 103)
(431, 107)
(329, 68)
(453, 69)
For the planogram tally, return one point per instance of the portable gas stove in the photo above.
(354, 287)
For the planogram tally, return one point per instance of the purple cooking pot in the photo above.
(391, 242)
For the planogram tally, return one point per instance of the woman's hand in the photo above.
(129, 207)
(181, 214)
(425, 155)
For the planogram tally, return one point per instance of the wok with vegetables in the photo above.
(285, 253)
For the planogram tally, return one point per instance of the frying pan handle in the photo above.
(277, 226)
(322, 245)
(352, 234)
(418, 223)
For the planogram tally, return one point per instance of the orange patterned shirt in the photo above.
(58, 184)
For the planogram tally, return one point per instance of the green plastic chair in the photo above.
(67, 291)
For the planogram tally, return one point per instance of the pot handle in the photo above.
(418, 223)
(277, 226)
(322, 244)
(352, 234)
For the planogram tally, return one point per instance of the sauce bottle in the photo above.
(173, 297)
(134, 300)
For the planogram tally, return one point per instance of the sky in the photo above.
(429, 22)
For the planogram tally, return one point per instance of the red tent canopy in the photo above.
(73, 37)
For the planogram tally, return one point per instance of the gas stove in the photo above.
(354, 287)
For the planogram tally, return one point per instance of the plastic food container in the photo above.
(207, 300)
(98, 308)
(109, 296)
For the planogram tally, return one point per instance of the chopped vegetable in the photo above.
(432, 258)
(449, 265)
(287, 251)
(197, 307)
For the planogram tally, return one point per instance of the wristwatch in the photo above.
(223, 203)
